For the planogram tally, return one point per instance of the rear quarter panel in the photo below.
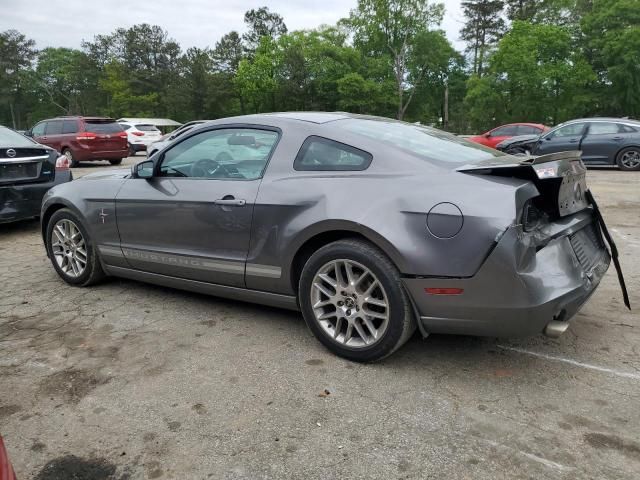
(387, 204)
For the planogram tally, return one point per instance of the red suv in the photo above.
(499, 134)
(83, 138)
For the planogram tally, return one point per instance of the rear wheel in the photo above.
(73, 163)
(629, 159)
(353, 301)
(116, 161)
(132, 151)
(71, 251)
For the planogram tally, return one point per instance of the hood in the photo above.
(518, 139)
(119, 173)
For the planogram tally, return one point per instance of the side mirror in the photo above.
(28, 133)
(142, 169)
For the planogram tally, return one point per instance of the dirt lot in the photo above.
(126, 380)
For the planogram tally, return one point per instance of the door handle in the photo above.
(573, 141)
(617, 138)
(230, 202)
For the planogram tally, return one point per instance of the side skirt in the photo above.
(253, 296)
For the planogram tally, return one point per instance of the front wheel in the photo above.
(71, 250)
(353, 301)
(629, 159)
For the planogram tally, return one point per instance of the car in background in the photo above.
(602, 141)
(27, 171)
(499, 134)
(140, 136)
(83, 139)
(6, 470)
(169, 137)
(371, 226)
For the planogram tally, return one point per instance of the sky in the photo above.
(199, 23)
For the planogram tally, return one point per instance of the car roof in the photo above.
(77, 117)
(604, 119)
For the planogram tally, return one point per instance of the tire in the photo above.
(92, 271)
(116, 161)
(334, 332)
(628, 159)
(73, 163)
(132, 151)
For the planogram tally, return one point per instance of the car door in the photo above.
(499, 134)
(562, 139)
(37, 133)
(602, 142)
(192, 219)
(53, 134)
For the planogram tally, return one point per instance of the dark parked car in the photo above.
(602, 141)
(27, 171)
(83, 138)
(370, 226)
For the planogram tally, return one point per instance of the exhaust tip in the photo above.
(555, 328)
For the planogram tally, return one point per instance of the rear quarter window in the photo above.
(54, 127)
(70, 126)
(322, 154)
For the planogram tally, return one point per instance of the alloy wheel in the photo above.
(69, 248)
(350, 304)
(631, 159)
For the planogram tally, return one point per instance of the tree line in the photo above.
(541, 61)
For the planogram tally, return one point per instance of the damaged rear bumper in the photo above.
(528, 281)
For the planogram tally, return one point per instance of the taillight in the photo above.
(86, 136)
(122, 134)
(62, 163)
(138, 134)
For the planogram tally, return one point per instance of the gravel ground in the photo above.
(129, 381)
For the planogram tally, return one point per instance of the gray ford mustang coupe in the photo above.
(371, 227)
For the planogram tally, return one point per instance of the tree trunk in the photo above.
(445, 113)
(13, 118)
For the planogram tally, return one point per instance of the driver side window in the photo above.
(224, 154)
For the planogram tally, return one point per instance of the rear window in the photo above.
(424, 142)
(101, 126)
(9, 138)
(147, 128)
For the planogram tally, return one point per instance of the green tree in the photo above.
(262, 23)
(612, 36)
(483, 28)
(17, 54)
(535, 75)
(390, 28)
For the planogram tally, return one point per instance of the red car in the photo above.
(83, 138)
(498, 134)
(6, 471)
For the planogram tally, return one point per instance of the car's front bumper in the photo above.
(18, 202)
(525, 283)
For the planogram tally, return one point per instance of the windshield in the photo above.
(424, 142)
(9, 138)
